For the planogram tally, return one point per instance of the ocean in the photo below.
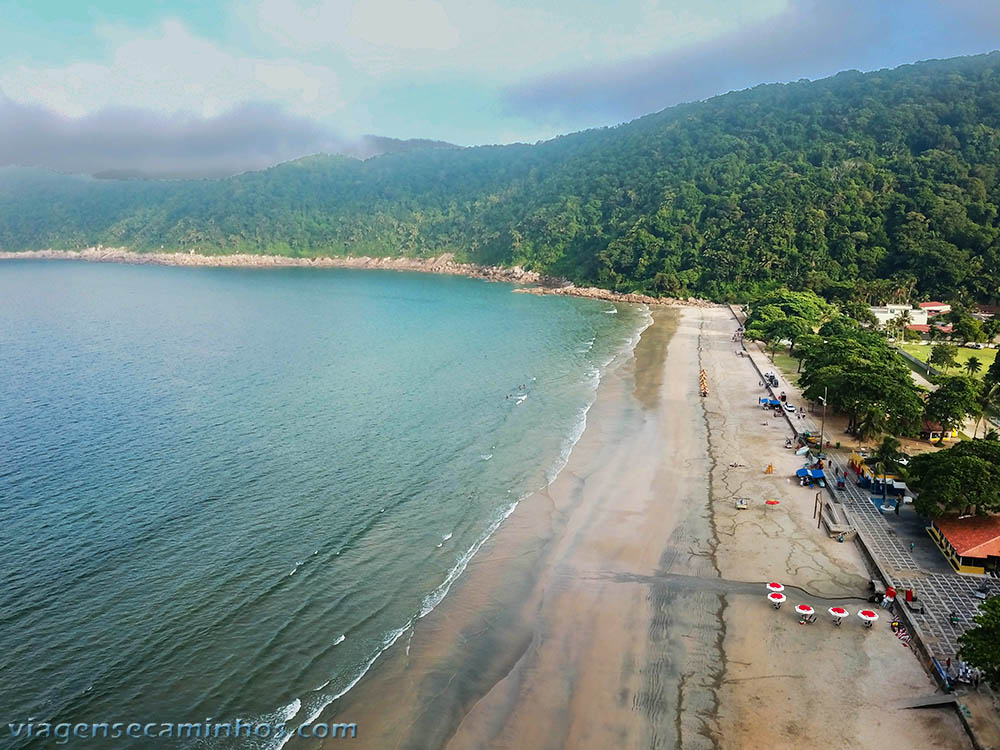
(225, 492)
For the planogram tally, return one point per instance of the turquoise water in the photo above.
(223, 492)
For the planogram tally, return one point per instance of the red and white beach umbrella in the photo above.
(772, 501)
(804, 609)
(838, 612)
(868, 616)
(775, 587)
(776, 598)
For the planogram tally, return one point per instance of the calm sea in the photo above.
(224, 492)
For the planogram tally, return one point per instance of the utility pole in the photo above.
(822, 429)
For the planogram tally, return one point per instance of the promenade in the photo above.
(921, 568)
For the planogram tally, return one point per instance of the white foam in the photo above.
(612, 311)
(520, 399)
(322, 686)
(594, 376)
(437, 595)
(433, 599)
(387, 643)
(281, 716)
(447, 536)
(486, 456)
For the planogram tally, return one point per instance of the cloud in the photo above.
(810, 39)
(403, 24)
(250, 136)
(169, 69)
(497, 40)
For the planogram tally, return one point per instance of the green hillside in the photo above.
(825, 185)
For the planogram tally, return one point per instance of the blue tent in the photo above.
(811, 473)
(770, 401)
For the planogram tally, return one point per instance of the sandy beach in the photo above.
(624, 606)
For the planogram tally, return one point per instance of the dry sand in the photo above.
(624, 606)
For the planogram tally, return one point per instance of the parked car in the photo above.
(789, 407)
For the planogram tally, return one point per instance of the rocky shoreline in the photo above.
(593, 292)
(444, 264)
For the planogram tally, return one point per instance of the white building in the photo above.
(891, 312)
(935, 308)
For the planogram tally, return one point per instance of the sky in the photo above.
(202, 87)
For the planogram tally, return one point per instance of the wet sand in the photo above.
(624, 605)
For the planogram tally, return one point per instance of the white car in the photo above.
(789, 407)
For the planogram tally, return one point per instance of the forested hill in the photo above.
(886, 175)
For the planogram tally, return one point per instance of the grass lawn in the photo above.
(787, 365)
(986, 356)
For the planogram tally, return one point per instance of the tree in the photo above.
(962, 479)
(955, 399)
(980, 646)
(861, 372)
(993, 373)
(967, 328)
(973, 365)
(943, 355)
(871, 423)
(991, 329)
(989, 400)
(902, 321)
(885, 458)
(785, 315)
(859, 312)
(804, 346)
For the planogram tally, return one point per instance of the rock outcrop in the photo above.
(444, 263)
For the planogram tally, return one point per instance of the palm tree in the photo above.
(989, 400)
(871, 423)
(904, 320)
(973, 365)
(886, 459)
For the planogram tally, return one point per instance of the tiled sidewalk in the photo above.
(941, 593)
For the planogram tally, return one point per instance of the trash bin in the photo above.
(838, 443)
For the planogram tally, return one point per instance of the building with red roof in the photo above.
(971, 544)
(935, 308)
(926, 328)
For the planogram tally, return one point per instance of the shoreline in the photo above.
(622, 605)
(441, 264)
(435, 597)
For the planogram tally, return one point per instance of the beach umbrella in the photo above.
(837, 613)
(772, 501)
(804, 609)
(868, 616)
(775, 587)
(776, 598)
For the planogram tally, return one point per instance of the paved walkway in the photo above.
(941, 593)
(941, 590)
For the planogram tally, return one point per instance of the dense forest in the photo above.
(874, 187)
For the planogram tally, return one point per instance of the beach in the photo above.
(624, 605)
